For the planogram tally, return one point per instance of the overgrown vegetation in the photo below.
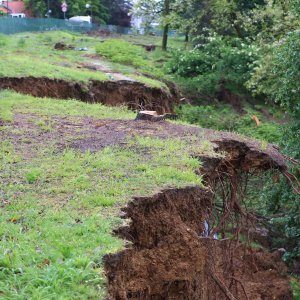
(216, 63)
(224, 117)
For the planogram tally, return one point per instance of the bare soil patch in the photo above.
(133, 94)
(170, 257)
(91, 134)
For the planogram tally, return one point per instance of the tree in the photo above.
(119, 11)
(75, 7)
(153, 10)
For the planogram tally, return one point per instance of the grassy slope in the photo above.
(33, 54)
(59, 206)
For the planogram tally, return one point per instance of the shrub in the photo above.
(278, 73)
(217, 61)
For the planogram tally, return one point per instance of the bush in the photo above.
(283, 202)
(278, 73)
(216, 62)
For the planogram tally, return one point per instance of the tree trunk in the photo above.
(165, 38)
(166, 27)
(186, 36)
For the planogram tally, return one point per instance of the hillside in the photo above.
(97, 204)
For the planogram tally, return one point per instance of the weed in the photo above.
(33, 175)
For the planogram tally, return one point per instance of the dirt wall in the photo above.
(173, 254)
(135, 95)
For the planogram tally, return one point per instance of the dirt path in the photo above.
(100, 65)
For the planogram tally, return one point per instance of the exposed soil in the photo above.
(171, 258)
(134, 94)
(166, 258)
(234, 100)
(90, 134)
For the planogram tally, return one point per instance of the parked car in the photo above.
(81, 19)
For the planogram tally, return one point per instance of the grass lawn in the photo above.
(59, 205)
(33, 54)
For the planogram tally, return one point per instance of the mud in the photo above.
(135, 95)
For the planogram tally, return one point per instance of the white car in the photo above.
(81, 19)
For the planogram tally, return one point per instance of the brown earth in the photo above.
(171, 258)
(135, 95)
(90, 134)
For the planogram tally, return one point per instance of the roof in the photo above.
(15, 7)
(5, 10)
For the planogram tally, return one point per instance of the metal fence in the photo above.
(10, 25)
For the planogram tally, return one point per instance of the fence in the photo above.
(14, 25)
(10, 25)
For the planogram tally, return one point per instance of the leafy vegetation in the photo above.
(215, 64)
(224, 117)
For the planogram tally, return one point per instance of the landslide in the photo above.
(173, 252)
(135, 95)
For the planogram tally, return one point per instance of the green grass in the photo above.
(33, 54)
(123, 52)
(173, 42)
(223, 117)
(11, 101)
(150, 82)
(60, 206)
(295, 282)
(23, 66)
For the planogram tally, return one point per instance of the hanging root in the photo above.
(294, 184)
